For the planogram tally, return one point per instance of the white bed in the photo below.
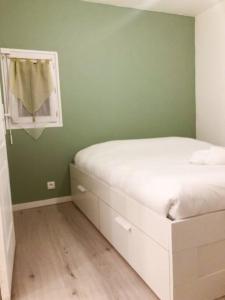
(129, 188)
(157, 172)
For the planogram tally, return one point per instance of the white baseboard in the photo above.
(40, 203)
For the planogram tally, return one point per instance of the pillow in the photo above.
(213, 156)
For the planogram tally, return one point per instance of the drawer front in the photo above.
(116, 230)
(99, 188)
(148, 258)
(87, 202)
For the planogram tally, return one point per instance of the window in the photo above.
(17, 116)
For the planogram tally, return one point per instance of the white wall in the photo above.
(210, 74)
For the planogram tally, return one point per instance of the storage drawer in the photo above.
(116, 230)
(87, 202)
(154, 225)
(149, 259)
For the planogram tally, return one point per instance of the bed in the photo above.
(164, 215)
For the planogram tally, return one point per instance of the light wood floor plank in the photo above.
(61, 256)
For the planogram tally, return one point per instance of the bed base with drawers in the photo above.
(179, 260)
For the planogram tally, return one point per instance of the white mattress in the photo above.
(157, 173)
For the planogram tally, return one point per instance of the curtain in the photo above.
(30, 81)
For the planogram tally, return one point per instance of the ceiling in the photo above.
(180, 7)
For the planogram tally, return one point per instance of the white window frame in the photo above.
(13, 120)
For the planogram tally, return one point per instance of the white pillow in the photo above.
(214, 156)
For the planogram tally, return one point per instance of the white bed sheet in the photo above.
(157, 172)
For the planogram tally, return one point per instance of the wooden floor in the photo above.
(61, 256)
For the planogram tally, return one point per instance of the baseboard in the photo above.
(39, 203)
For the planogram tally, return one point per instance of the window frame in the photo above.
(13, 120)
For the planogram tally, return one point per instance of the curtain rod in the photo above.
(24, 58)
(33, 59)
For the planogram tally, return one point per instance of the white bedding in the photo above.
(157, 172)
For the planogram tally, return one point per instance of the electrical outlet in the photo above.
(51, 185)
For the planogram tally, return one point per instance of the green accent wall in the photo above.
(124, 74)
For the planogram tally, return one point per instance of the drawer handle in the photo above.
(123, 223)
(81, 188)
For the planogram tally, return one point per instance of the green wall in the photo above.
(124, 74)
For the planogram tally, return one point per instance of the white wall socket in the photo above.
(51, 185)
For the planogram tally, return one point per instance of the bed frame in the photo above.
(179, 260)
